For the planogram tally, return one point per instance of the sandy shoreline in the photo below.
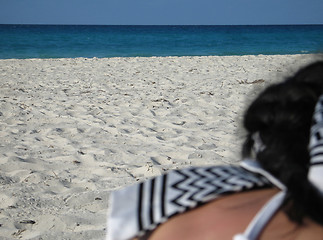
(72, 130)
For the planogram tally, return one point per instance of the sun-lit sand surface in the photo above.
(72, 130)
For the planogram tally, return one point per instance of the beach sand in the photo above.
(73, 130)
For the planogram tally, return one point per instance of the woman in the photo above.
(278, 189)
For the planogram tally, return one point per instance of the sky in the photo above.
(161, 12)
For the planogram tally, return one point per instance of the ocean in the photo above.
(71, 41)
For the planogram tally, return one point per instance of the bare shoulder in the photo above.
(225, 217)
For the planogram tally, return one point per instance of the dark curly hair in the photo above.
(282, 115)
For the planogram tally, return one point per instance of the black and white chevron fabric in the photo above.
(138, 209)
(315, 173)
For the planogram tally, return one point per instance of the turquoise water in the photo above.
(70, 41)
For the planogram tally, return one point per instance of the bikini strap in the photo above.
(269, 209)
(262, 218)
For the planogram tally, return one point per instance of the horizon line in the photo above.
(73, 24)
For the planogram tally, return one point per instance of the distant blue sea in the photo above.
(71, 41)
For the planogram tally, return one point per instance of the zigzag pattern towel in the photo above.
(138, 209)
(315, 173)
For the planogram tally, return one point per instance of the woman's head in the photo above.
(282, 117)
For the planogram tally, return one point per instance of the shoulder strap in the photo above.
(266, 213)
(262, 218)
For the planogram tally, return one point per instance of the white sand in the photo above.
(72, 130)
